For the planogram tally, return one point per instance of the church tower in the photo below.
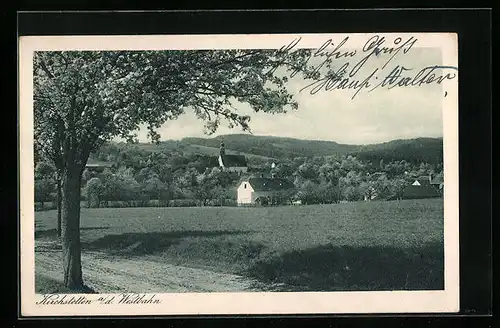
(273, 173)
(222, 153)
(222, 148)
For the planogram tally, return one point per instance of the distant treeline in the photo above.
(175, 177)
(414, 151)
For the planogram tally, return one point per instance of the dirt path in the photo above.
(115, 275)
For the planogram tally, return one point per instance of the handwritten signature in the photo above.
(336, 80)
(347, 76)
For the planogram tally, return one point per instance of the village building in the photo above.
(97, 166)
(231, 163)
(438, 182)
(263, 191)
(424, 187)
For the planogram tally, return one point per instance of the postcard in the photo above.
(238, 174)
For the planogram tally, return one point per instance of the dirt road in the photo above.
(107, 274)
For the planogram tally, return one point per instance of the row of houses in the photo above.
(259, 189)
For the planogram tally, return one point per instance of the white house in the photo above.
(263, 191)
(232, 163)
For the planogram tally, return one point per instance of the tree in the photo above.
(219, 195)
(83, 99)
(154, 188)
(330, 177)
(87, 175)
(351, 163)
(94, 191)
(308, 192)
(397, 187)
(186, 182)
(424, 169)
(110, 186)
(285, 196)
(46, 180)
(128, 188)
(43, 170)
(119, 186)
(367, 189)
(329, 192)
(211, 184)
(308, 171)
(283, 170)
(350, 186)
(382, 187)
(43, 190)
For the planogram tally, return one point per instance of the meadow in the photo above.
(392, 245)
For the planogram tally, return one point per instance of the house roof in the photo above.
(234, 160)
(423, 181)
(376, 175)
(94, 163)
(420, 191)
(438, 179)
(268, 184)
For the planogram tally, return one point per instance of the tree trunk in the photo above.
(59, 201)
(71, 247)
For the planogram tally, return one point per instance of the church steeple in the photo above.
(222, 148)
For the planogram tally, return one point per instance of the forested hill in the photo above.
(274, 147)
(429, 150)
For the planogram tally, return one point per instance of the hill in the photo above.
(417, 150)
(199, 146)
(274, 147)
(429, 150)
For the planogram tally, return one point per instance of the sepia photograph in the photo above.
(239, 174)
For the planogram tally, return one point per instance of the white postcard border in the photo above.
(239, 303)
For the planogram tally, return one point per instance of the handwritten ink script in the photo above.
(356, 75)
(91, 299)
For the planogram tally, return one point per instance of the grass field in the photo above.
(357, 246)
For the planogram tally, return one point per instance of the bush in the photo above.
(183, 203)
(222, 202)
(144, 203)
(116, 204)
(47, 206)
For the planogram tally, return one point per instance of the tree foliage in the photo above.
(45, 182)
(94, 192)
(84, 98)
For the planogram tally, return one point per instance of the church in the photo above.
(254, 189)
(231, 163)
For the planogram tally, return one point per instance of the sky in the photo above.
(371, 117)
